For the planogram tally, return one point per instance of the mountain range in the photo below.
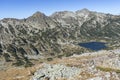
(45, 37)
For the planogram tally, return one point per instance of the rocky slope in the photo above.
(44, 37)
(101, 65)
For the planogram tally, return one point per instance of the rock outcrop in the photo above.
(101, 65)
(54, 72)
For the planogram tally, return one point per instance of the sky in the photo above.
(25, 8)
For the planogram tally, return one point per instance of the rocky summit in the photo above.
(41, 39)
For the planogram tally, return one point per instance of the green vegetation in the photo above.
(6, 30)
(28, 63)
(22, 51)
(19, 63)
(6, 56)
(34, 49)
(1, 51)
(11, 48)
(21, 29)
(25, 63)
(68, 54)
(60, 56)
(49, 59)
(11, 29)
(107, 69)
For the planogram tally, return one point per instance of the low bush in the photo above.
(107, 69)
(49, 59)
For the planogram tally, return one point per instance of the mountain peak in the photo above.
(85, 10)
(38, 14)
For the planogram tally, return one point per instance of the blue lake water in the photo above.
(94, 45)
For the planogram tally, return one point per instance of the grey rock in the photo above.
(55, 71)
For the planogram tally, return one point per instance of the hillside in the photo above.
(101, 65)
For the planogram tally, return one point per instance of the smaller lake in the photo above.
(94, 45)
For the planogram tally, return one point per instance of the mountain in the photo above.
(91, 24)
(40, 21)
(23, 41)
